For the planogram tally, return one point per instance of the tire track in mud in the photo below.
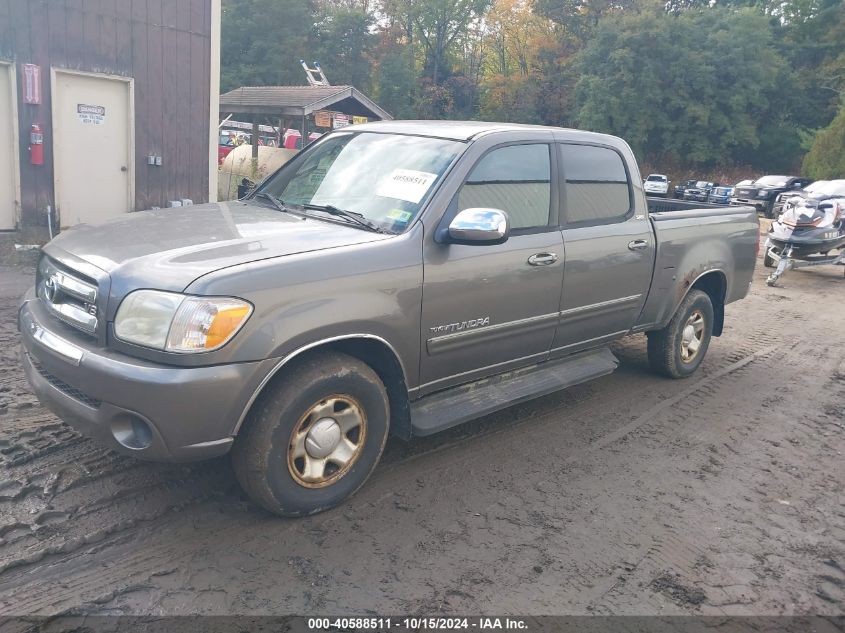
(719, 374)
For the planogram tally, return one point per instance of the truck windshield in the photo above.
(654, 178)
(383, 177)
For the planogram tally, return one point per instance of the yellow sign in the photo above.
(358, 119)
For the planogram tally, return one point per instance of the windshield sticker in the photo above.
(406, 184)
(398, 215)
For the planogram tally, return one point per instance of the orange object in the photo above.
(225, 322)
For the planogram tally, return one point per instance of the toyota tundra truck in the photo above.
(393, 278)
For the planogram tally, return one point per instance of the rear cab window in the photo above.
(596, 188)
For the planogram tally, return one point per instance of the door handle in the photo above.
(542, 259)
(637, 245)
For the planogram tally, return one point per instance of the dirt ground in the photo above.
(633, 494)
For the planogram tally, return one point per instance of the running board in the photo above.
(445, 409)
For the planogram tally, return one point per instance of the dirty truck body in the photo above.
(499, 263)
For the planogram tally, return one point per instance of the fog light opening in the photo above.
(132, 432)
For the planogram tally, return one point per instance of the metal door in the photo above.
(609, 249)
(93, 130)
(487, 308)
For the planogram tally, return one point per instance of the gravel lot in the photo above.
(633, 494)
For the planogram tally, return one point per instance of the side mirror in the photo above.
(479, 226)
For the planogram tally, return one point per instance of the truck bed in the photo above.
(693, 239)
(660, 205)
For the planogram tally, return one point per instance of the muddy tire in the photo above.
(677, 350)
(314, 436)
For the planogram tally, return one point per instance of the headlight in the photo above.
(179, 323)
(763, 194)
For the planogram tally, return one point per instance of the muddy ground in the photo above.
(633, 494)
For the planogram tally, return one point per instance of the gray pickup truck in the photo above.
(398, 277)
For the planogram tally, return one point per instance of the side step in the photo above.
(444, 409)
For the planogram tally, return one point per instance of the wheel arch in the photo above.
(373, 350)
(714, 284)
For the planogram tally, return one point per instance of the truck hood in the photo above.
(169, 248)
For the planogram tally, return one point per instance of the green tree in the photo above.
(395, 79)
(345, 43)
(826, 158)
(692, 87)
(263, 41)
(437, 25)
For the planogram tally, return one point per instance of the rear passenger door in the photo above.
(609, 248)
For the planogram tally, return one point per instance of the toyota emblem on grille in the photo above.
(51, 288)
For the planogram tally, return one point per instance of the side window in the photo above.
(595, 184)
(515, 179)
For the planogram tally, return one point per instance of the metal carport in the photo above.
(289, 106)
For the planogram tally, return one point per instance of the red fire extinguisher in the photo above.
(36, 145)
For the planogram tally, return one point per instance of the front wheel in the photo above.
(314, 437)
(677, 350)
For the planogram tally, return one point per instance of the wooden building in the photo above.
(123, 94)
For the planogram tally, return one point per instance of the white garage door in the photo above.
(8, 148)
(92, 126)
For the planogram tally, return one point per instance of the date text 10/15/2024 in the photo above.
(416, 624)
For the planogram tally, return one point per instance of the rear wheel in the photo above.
(313, 439)
(677, 350)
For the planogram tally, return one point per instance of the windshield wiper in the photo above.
(280, 204)
(357, 218)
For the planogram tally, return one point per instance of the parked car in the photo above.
(292, 138)
(763, 192)
(397, 277)
(700, 191)
(656, 185)
(720, 195)
(681, 187)
(819, 187)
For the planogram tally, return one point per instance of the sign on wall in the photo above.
(91, 113)
(32, 84)
(323, 118)
(358, 119)
(340, 120)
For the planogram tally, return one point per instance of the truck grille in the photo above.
(68, 296)
(61, 385)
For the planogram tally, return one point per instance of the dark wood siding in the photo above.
(165, 45)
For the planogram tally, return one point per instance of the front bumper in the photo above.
(151, 411)
(760, 204)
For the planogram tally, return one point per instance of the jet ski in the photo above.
(806, 234)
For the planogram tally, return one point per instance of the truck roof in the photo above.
(462, 130)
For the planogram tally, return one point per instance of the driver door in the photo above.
(489, 308)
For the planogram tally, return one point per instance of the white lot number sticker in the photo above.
(406, 184)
